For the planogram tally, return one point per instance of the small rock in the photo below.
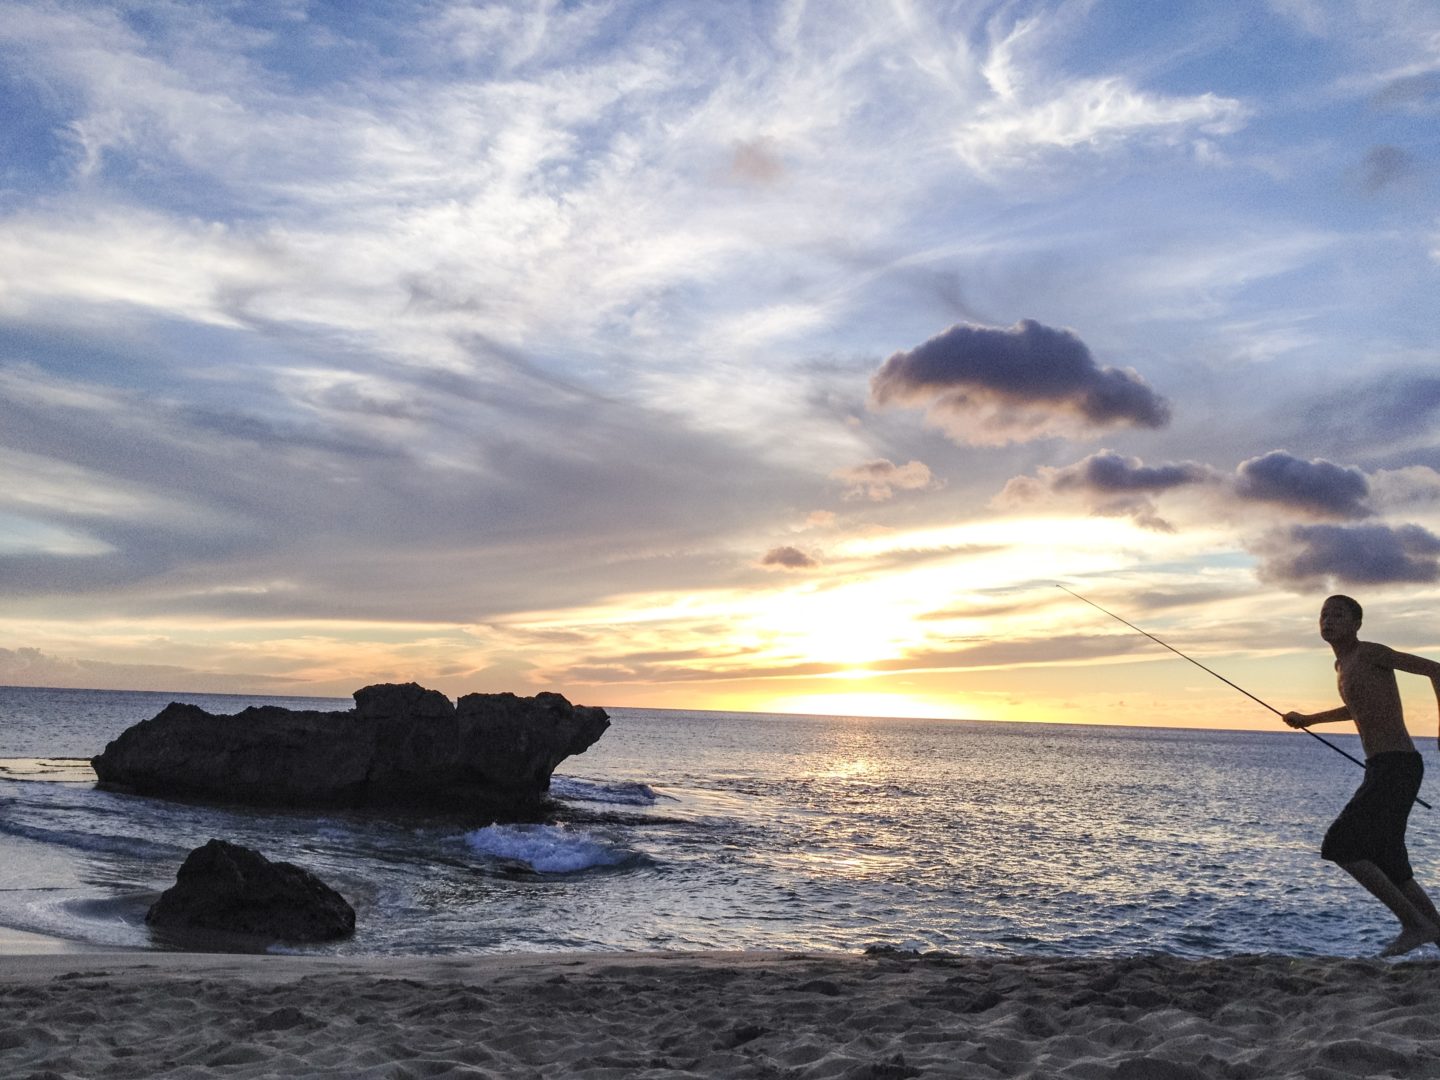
(233, 889)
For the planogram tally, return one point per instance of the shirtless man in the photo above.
(1367, 840)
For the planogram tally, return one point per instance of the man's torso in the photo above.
(1368, 688)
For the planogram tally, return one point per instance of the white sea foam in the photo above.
(546, 849)
(623, 792)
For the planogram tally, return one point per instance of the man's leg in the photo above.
(1416, 924)
(1423, 904)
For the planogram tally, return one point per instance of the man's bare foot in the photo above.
(1410, 939)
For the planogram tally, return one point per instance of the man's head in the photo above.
(1340, 617)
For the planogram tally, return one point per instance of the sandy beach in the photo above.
(148, 1014)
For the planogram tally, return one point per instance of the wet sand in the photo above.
(21, 942)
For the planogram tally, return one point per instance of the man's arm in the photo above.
(1329, 716)
(1410, 663)
(1415, 665)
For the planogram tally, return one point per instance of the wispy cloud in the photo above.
(513, 342)
(32, 667)
(878, 480)
(1032, 110)
(1094, 114)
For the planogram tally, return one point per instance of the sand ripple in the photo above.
(880, 1017)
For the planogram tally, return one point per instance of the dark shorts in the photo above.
(1372, 825)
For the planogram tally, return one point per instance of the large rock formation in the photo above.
(228, 888)
(400, 745)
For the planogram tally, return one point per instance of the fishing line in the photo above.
(1339, 750)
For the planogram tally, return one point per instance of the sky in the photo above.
(750, 356)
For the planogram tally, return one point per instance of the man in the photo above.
(1367, 840)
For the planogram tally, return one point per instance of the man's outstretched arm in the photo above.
(1329, 716)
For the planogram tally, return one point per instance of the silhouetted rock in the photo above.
(401, 745)
(228, 888)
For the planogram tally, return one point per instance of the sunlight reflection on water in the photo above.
(733, 831)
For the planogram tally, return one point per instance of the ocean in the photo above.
(709, 830)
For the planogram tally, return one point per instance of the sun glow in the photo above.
(880, 607)
(869, 704)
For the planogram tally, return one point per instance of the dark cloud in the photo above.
(879, 479)
(1308, 556)
(1109, 485)
(1112, 485)
(1387, 165)
(1318, 487)
(1109, 473)
(989, 385)
(788, 558)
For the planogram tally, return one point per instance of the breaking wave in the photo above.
(547, 849)
(622, 792)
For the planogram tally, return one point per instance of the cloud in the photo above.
(1419, 93)
(959, 655)
(1018, 652)
(988, 385)
(1381, 413)
(1108, 473)
(1035, 108)
(1319, 488)
(470, 310)
(1110, 485)
(470, 515)
(1405, 489)
(32, 667)
(1092, 114)
(789, 558)
(1395, 36)
(878, 480)
(1307, 556)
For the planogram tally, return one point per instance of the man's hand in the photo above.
(1300, 720)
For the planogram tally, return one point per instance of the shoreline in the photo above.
(28, 943)
(724, 1014)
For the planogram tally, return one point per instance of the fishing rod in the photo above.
(1339, 750)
